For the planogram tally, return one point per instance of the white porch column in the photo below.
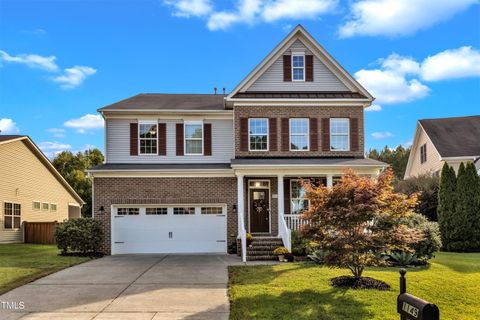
(329, 180)
(240, 202)
(280, 198)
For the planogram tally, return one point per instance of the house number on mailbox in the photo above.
(411, 310)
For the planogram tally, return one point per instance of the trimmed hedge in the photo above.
(83, 235)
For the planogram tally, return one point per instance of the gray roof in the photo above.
(163, 101)
(454, 137)
(160, 166)
(309, 161)
(6, 137)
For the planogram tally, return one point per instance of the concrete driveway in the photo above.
(136, 287)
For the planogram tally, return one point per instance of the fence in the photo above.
(39, 232)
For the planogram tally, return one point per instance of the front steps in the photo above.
(262, 248)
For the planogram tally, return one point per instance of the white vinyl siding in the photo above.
(118, 143)
(323, 78)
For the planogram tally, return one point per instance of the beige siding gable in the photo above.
(24, 179)
(272, 78)
(433, 163)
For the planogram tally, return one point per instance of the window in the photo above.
(336, 180)
(423, 153)
(148, 135)
(45, 206)
(258, 184)
(297, 197)
(212, 210)
(299, 135)
(156, 211)
(339, 134)
(53, 207)
(193, 138)
(11, 215)
(258, 134)
(128, 211)
(36, 205)
(184, 210)
(298, 67)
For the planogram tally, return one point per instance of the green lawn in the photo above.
(302, 290)
(23, 263)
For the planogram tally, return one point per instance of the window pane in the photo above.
(8, 222)
(53, 207)
(193, 131)
(36, 205)
(148, 131)
(297, 74)
(128, 211)
(258, 126)
(181, 211)
(298, 61)
(194, 146)
(156, 211)
(298, 143)
(297, 190)
(212, 210)
(16, 222)
(299, 126)
(339, 142)
(339, 126)
(298, 206)
(45, 206)
(8, 208)
(16, 209)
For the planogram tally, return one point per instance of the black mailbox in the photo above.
(412, 308)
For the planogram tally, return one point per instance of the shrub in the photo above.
(426, 186)
(446, 203)
(431, 242)
(280, 251)
(299, 244)
(82, 235)
(318, 256)
(403, 258)
(249, 239)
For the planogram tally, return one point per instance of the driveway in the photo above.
(136, 287)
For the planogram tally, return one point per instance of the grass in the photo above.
(302, 290)
(23, 263)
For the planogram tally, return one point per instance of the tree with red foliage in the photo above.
(357, 220)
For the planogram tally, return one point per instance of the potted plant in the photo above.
(249, 239)
(280, 252)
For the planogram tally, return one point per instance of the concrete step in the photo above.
(261, 258)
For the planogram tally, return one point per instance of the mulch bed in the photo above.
(359, 283)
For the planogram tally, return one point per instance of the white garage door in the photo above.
(169, 229)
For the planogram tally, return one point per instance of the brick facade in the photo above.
(109, 191)
(280, 112)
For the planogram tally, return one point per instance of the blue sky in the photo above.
(61, 60)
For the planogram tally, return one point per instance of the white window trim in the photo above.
(300, 135)
(303, 68)
(424, 147)
(139, 149)
(3, 214)
(268, 135)
(56, 207)
(185, 123)
(41, 207)
(292, 198)
(348, 135)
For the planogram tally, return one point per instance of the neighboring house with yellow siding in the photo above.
(31, 189)
(451, 140)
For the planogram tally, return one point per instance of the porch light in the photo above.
(101, 209)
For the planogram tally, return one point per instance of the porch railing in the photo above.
(294, 221)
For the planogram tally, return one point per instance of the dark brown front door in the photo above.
(259, 210)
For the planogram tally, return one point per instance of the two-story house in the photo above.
(196, 172)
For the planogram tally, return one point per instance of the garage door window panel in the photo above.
(212, 210)
(128, 211)
(156, 211)
(184, 211)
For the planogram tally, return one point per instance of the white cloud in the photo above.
(8, 126)
(390, 87)
(381, 135)
(374, 107)
(73, 77)
(51, 149)
(450, 64)
(251, 11)
(86, 123)
(190, 8)
(400, 65)
(398, 18)
(57, 132)
(31, 60)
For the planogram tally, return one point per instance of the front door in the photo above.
(259, 210)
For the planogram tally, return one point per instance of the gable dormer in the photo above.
(300, 68)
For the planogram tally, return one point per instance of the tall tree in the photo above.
(73, 168)
(465, 219)
(446, 203)
(397, 158)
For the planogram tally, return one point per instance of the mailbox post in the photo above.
(413, 308)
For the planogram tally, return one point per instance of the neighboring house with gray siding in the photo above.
(31, 189)
(196, 172)
(436, 141)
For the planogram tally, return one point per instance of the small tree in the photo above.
(446, 203)
(427, 188)
(358, 219)
(464, 235)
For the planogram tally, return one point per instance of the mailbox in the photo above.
(413, 308)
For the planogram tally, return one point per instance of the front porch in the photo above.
(270, 198)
